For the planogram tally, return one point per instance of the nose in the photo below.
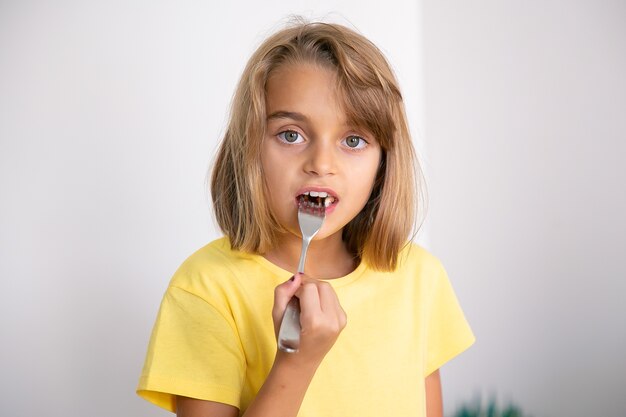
(320, 159)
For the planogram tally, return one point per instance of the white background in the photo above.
(526, 130)
(110, 113)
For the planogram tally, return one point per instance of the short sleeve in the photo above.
(194, 351)
(447, 331)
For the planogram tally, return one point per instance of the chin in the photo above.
(325, 234)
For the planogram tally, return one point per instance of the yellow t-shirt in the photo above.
(214, 338)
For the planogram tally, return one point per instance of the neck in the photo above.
(326, 258)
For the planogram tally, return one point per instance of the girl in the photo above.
(317, 109)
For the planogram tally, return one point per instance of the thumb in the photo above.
(282, 294)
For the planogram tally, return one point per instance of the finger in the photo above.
(307, 279)
(328, 297)
(283, 293)
(309, 300)
(331, 305)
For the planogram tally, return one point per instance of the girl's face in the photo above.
(311, 147)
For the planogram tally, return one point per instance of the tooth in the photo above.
(323, 194)
(306, 193)
(327, 202)
(314, 194)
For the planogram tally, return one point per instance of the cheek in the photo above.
(365, 173)
(274, 175)
(269, 168)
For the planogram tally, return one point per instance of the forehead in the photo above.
(303, 88)
(316, 89)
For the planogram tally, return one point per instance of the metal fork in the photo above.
(310, 220)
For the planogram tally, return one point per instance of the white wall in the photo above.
(109, 114)
(526, 130)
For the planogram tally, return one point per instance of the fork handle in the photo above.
(305, 247)
(289, 333)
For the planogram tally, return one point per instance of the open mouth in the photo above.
(316, 199)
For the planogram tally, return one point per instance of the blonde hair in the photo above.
(371, 98)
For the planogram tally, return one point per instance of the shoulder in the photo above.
(214, 254)
(213, 266)
(416, 258)
(418, 268)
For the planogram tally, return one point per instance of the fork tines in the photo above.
(311, 208)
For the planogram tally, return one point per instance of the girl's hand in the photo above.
(321, 317)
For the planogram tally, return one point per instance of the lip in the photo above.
(327, 190)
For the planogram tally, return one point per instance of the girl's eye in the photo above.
(355, 142)
(290, 136)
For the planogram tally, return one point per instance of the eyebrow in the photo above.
(287, 115)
